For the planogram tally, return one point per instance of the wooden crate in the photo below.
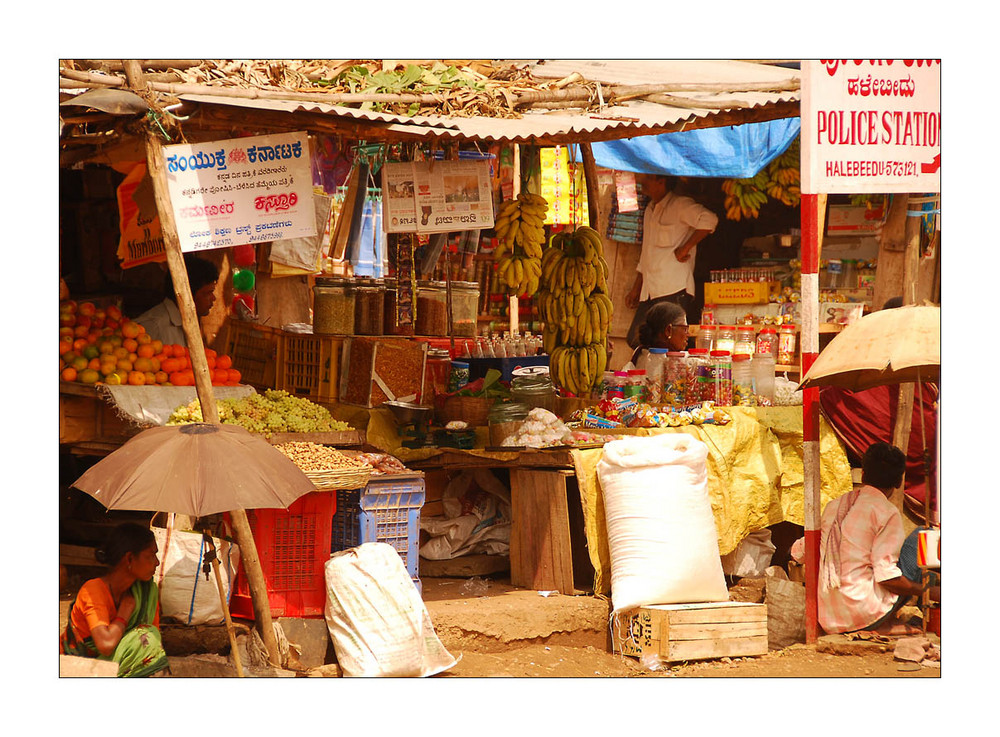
(254, 350)
(678, 632)
(309, 366)
(375, 370)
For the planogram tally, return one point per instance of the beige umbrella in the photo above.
(886, 347)
(197, 469)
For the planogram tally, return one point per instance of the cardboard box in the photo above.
(748, 292)
(678, 632)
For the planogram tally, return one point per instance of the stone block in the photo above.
(73, 666)
(311, 638)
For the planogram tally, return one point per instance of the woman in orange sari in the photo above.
(116, 616)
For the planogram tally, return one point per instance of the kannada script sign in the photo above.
(243, 190)
(871, 126)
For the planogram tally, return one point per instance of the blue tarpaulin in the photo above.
(738, 151)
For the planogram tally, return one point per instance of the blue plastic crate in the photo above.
(387, 511)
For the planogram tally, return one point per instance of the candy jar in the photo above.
(655, 366)
(743, 381)
(787, 335)
(722, 374)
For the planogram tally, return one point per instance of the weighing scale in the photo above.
(413, 424)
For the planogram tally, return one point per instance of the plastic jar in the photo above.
(617, 388)
(333, 306)
(504, 419)
(635, 385)
(746, 340)
(743, 383)
(432, 309)
(700, 376)
(767, 342)
(705, 339)
(464, 307)
(762, 366)
(606, 381)
(675, 379)
(459, 375)
(708, 315)
(655, 369)
(534, 391)
(390, 296)
(369, 304)
(721, 363)
(787, 335)
(725, 339)
(438, 370)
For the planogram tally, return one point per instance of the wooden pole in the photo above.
(593, 187)
(225, 606)
(199, 363)
(813, 210)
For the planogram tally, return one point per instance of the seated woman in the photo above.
(665, 327)
(116, 617)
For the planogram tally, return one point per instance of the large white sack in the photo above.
(376, 618)
(186, 595)
(661, 531)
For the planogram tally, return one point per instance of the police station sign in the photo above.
(243, 190)
(871, 125)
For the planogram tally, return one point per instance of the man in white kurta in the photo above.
(672, 227)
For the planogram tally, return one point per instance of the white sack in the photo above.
(751, 557)
(661, 531)
(186, 596)
(376, 618)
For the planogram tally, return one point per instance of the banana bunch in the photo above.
(783, 173)
(779, 181)
(574, 303)
(520, 230)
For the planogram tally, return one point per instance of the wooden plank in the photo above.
(342, 438)
(705, 649)
(716, 631)
(77, 555)
(540, 551)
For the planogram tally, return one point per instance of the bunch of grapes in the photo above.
(274, 411)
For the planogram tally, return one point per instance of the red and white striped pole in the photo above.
(813, 208)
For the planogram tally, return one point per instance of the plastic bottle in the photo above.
(744, 394)
(722, 376)
(655, 375)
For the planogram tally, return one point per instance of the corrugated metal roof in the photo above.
(623, 120)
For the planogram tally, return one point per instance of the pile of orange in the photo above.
(101, 346)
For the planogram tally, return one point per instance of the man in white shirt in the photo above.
(672, 227)
(163, 322)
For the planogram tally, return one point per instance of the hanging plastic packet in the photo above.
(244, 304)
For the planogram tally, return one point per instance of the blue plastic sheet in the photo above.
(738, 151)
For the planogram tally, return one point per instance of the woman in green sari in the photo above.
(116, 616)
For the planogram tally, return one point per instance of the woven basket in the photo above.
(473, 410)
(339, 478)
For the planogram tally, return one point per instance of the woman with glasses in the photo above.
(665, 327)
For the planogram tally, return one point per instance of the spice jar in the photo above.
(675, 379)
(705, 339)
(721, 363)
(700, 378)
(635, 385)
(438, 370)
(333, 306)
(617, 388)
(534, 390)
(725, 339)
(369, 300)
(767, 342)
(655, 365)
(786, 344)
(432, 309)
(746, 340)
(464, 307)
(743, 383)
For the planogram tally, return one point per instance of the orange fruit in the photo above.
(130, 344)
(79, 363)
(79, 344)
(66, 333)
(157, 346)
(219, 376)
(178, 379)
(124, 365)
(131, 357)
(180, 351)
(136, 378)
(141, 329)
(211, 362)
(114, 378)
(142, 364)
(170, 365)
(91, 351)
(144, 337)
(145, 350)
(82, 321)
(119, 353)
(224, 362)
(108, 367)
(94, 363)
(161, 377)
(65, 347)
(86, 308)
(68, 374)
(106, 347)
(167, 349)
(235, 375)
(89, 376)
(150, 377)
(184, 362)
(80, 331)
(209, 353)
(155, 364)
(188, 376)
(116, 339)
(93, 336)
(113, 312)
(130, 329)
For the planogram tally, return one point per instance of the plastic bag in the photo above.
(376, 618)
(186, 595)
(786, 609)
(751, 557)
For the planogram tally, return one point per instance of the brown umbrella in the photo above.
(197, 469)
(886, 347)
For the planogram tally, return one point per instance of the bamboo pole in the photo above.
(593, 189)
(199, 363)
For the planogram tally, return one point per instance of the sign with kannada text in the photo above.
(243, 190)
(436, 196)
(871, 125)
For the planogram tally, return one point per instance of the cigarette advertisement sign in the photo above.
(871, 125)
(436, 196)
(243, 190)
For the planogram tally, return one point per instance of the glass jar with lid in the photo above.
(675, 379)
(333, 306)
(432, 309)
(504, 419)
(743, 381)
(369, 303)
(721, 363)
(705, 339)
(700, 380)
(767, 342)
(438, 370)
(725, 339)
(534, 390)
(464, 307)
(655, 365)
(746, 339)
(787, 335)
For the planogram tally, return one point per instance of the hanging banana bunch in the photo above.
(520, 230)
(779, 181)
(574, 303)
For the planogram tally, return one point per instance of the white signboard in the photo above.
(436, 196)
(243, 190)
(871, 126)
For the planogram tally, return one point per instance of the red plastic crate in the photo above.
(293, 546)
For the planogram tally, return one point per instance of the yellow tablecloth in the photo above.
(755, 476)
